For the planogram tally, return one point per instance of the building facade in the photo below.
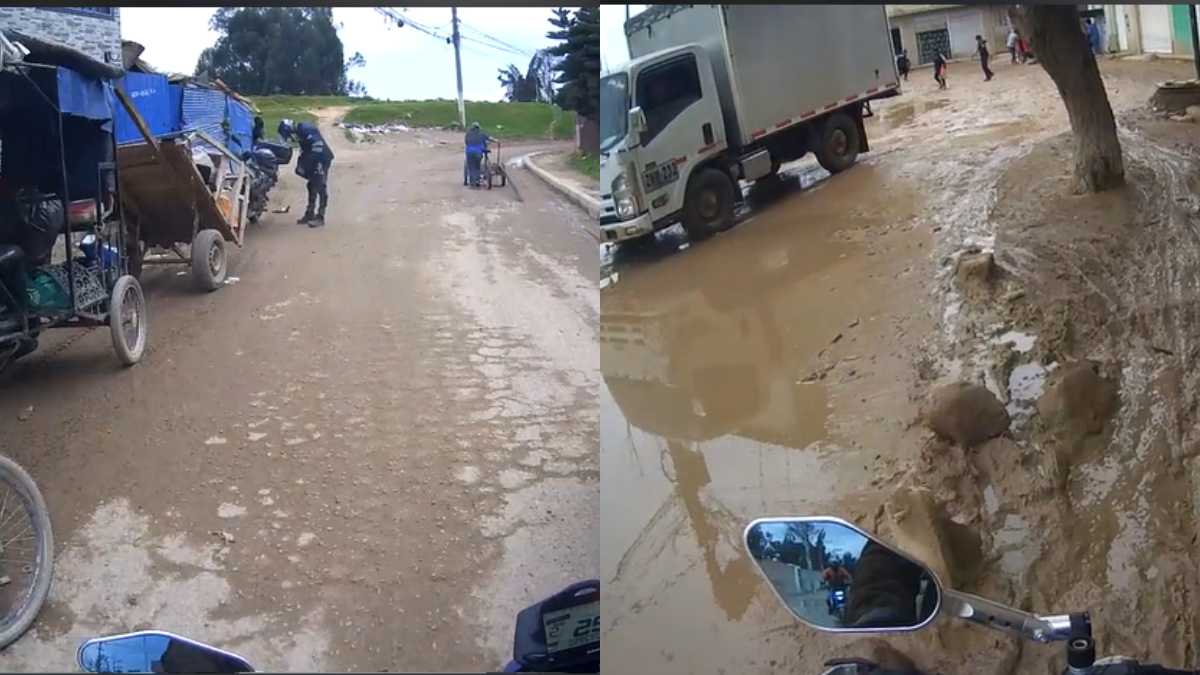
(96, 31)
(924, 30)
(1136, 29)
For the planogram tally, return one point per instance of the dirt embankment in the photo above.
(1087, 319)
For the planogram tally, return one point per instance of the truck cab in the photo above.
(660, 117)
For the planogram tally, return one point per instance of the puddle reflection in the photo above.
(707, 420)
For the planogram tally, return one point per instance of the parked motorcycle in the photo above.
(262, 168)
(560, 634)
(893, 592)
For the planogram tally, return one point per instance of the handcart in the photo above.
(190, 191)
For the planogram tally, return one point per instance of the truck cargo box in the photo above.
(777, 64)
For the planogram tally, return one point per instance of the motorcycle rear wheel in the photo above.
(18, 619)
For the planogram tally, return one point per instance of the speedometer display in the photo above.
(572, 628)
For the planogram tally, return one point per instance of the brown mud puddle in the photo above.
(743, 377)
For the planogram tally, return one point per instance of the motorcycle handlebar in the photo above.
(1142, 669)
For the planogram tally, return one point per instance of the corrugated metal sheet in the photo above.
(151, 97)
(241, 126)
(204, 110)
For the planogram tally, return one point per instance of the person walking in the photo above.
(903, 65)
(1092, 30)
(1013, 38)
(982, 50)
(939, 69)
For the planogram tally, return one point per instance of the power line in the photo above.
(524, 51)
(483, 40)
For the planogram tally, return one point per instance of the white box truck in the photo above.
(716, 94)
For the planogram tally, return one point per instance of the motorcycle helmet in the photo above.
(286, 129)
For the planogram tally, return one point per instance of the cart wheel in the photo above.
(209, 262)
(491, 174)
(137, 256)
(503, 178)
(127, 320)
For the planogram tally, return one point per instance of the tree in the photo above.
(279, 50)
(1057, 39)
(536, 85)
(578, 35)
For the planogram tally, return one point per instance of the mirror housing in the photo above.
(835, 577)
(637, 120)
(153, 651)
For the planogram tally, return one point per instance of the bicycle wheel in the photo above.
(27, 584)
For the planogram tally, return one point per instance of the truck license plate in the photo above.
(658, 177)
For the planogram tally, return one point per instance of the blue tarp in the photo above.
(83, 96)
(241, 126)
(152, 99)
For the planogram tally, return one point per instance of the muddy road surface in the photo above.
(367, 452)
(780, 369)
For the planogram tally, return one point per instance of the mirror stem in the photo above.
(1006, 619)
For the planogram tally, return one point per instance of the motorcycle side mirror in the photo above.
(835, 577)
(154, 651)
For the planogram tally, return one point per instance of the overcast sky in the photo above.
(612, 33)
(401, 62)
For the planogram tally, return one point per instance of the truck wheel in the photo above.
(839, 143)
(708, 205)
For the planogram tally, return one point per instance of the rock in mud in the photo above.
(920, 528)
(965, 413)
(975, 270)
(1079, 401)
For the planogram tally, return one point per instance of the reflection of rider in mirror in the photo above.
(836, 578)
(885, 591)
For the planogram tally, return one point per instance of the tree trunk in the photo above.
(1057, 39)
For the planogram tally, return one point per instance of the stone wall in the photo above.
(95, 31)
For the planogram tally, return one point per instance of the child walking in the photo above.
(939, 69)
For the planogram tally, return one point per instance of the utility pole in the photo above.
(626, 13)
(456, 39)
(1195, 38)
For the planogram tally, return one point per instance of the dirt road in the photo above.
(779, 369)
(367, 453)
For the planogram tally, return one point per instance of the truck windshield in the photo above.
(614, 110)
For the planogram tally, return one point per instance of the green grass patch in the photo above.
(295, 108)
(507, 121)
(589, 166)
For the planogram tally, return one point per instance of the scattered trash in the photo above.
(5, 580)
(224, 536)
(215, 440)
(362, 129)
(232, 280)
(282, 209)
(25, 414)
(610, 280)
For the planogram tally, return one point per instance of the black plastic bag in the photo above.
(43, 219)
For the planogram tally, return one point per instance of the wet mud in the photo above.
(782, 368)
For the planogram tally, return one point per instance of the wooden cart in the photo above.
(172, 205)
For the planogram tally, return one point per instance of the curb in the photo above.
(589, 204)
